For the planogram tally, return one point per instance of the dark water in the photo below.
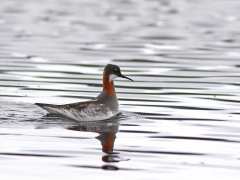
(180, 117)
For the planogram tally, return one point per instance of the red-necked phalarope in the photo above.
(104, 106)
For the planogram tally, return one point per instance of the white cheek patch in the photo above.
(112, 77)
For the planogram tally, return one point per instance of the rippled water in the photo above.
(180, 117)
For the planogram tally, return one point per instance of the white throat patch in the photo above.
(112, 77)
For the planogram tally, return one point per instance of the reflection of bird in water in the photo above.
(107, 140)
(107, 135)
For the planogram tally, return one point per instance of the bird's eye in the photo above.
(115, 69)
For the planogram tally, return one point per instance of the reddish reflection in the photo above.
(107, 135)
(107, 141)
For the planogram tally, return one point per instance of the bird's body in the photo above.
(104, 106)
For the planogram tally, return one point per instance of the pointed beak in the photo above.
(122, 76)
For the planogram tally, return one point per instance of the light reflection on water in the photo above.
(180, 116)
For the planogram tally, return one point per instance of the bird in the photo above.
(104, 106)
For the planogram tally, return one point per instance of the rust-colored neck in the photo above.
(108, 86)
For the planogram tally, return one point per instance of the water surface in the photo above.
(179, 118)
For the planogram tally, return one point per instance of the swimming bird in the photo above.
(104, 106)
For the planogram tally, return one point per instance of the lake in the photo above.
(180, 117)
